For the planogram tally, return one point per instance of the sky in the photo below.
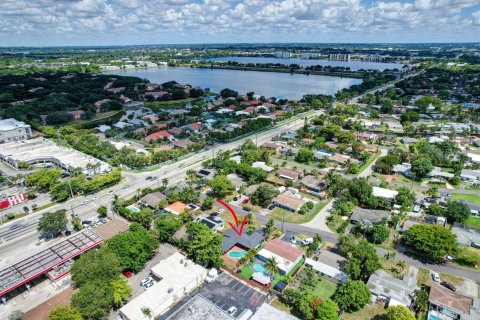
(137, 22)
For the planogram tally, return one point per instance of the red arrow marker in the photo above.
(238, 231)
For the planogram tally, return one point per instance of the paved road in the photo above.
(22, 232)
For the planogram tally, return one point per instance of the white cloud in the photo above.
(303, 20)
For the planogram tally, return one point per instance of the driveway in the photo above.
(319, 222)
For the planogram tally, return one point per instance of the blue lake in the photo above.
(269, 84)
(352, 64)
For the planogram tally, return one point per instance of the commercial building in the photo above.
(41, 150)
(13, 130)
(178, 276)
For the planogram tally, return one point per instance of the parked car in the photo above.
(435, 277)
(231, 311)
(148, 285)
(293, 239)
(237, 197)
(271, 207)
(125, 186)
(307, 241)
(145, 281)
(26, 209)
(448, 285)
(127, 274)
(149, 178)
(246, 209)
(110, 192)
(212, 275)
(246, 201)
(221, 210)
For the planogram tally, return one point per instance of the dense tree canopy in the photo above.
(221, 186)
(263, 195)
(457, 211)
(65, 313)
(203, 245)
(352, 296)
(52, 224)
(166, 225)
(432, 240)
(96, 264)
(363, 259)
(133, 248)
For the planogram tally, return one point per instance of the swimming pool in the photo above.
(432, 317)
(132, 208)
(237, 254)
(259, 267)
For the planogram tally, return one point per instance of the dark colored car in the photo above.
(26, 209)
(237, 197)
(448, 285)
(246, 209)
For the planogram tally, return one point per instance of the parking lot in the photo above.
(227, 292)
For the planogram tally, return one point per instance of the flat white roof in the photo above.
(38, 149)
(176, 280)
(267, 312)
(12, 124)
(326, 269)
(384, 193)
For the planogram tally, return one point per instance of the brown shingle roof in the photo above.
(284, 250)
(287, 201)
(450, 299)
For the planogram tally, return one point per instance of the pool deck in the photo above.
(229, 261)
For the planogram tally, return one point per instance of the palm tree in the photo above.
(271, 265)
(165, 182)
(191, 175)
(147, 312)
(402, 265)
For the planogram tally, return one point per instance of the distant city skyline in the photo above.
(143, 22)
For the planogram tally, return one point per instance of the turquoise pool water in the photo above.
(259, 267)
(133, 209)
(237, 254)
(432, 317)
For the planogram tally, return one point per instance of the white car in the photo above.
(221, 210)
(146, 281)
(211, 276)
(307, 241)
(293, 239)
(148, 285)
(435, 277)
(231, 311)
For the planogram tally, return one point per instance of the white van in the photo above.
(212, 275)
(308, 241)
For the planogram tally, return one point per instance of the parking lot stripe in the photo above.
(247, 291)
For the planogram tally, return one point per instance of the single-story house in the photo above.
(213, 222)
(474, 157)
(246, 241)
(342, 159)
(384, 193)
(288, 202)
(103, 128)
(236, 180)
(183, 144)
(470, 175)
(262, 165)
(438, 173)
(285, 173)
(272, 146)
(368, 216)
(391, 290)
(286, 255)
(152, 200)
(176, 208)
(206, 173)
(176, 131)
(163, 134)
(402, 168)
(447, 304)
(313, 183)
(329, 265)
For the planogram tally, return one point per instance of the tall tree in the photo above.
(432, 240)
(203, 245)
(352, 296)
(121, 291)
(52, 224)
(457, 211)
(65, 313)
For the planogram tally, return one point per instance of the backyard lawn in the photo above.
(372, 311)
(292, 217)
(473, 198)
(473, 222)
(324, 289)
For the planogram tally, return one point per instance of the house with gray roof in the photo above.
(368, 216)
(247, 241)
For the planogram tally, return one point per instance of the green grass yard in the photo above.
(473, 222)
(292, 217)
(472, 198)
(324, 289)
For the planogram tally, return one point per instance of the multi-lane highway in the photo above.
(22, 233)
